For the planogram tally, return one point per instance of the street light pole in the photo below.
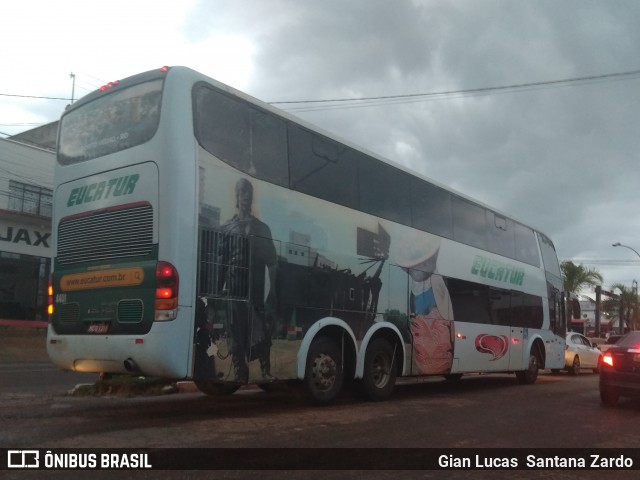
(618, 244)
(634, 288)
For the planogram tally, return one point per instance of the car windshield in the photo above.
(630, 340)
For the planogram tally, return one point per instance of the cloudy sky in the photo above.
(559, 155)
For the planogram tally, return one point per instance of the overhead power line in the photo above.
(33, 96)
(469, 91)
(376, 100)
(607, 262)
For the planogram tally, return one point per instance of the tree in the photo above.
(576, 277)
(626, 303)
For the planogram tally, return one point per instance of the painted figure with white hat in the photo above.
(430, 309)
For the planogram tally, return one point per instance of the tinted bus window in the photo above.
(384, 191)
(500, 235)
(469, 223)
(471, 301)
(526, 245)
(110, 123)
(549, 256)
(249, 139)
(526, 310)
(431, 208)
(322, 168)
(500, 306)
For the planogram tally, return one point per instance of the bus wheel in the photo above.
(530, 375)
(324, 374)
(379, 376)
(215, 389)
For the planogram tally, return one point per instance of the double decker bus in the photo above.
(202, 234)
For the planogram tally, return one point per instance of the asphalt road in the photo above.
(480, 411)
(40, 378)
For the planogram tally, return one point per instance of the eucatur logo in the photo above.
(23, 459)
(106, 189)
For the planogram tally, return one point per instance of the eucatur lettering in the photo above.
(105, 189)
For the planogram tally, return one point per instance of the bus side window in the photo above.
(384, 190)
(322, 168)
(500, 235)
(526, 246)
(247, 138)
(469, 223)
(269, 148)
(431, 209)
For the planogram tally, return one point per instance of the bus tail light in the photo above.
(50, 301)
(167, 284)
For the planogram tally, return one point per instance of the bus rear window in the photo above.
(110, 123)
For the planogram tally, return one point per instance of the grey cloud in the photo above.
(561, 158)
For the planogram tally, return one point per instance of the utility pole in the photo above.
(73, 85)
(598, 299)
(634, 289)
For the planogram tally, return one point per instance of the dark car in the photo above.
(611, 340)
(620, 370)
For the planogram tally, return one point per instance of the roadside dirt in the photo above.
(29, 345)
(23, 344)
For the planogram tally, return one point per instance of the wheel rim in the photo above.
(533, 366)
(324, 372)
(380, 368)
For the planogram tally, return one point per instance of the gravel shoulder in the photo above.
(23, 344)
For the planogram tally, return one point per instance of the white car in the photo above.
(580, 353)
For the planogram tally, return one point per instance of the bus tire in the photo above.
(215, 389)
(530, 375)
(324, 373)
(379, 375)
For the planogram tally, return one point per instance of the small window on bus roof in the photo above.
(119, 120)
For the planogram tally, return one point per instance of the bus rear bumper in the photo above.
(164, 352)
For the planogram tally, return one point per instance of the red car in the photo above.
(620, 370)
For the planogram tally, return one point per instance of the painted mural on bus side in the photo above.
(269, 270)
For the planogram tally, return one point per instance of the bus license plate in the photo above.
(102, 327)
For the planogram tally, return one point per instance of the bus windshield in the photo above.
(117, 121)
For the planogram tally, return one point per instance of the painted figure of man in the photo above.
(248, 262)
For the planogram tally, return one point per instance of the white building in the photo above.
(26, 180)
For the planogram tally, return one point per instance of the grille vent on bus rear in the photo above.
(69, 312)
(106, 235)
(130, 311)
